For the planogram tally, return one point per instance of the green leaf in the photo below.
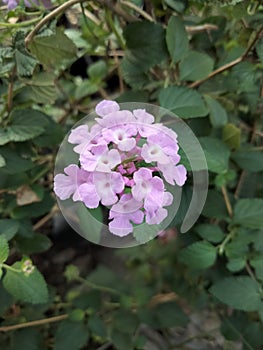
(170, 314)
(6, 300)
(91, 223)
(2, 161)
(27, 339)
(249, 213)
(184, 102)
(259, 49)
(36, 244)
(127, 318)
(231, 136)
(217, 154)
(145, 42)
(211, 233)
(236, 264)
(71, 336)
(8, 228)
(97, 326)
(215, 205)
(257, 264)
(4, 250)
(217, 114)
(241, 293)
(30, 288)
(53, 51)
(121, 340)
(176, 5)
(41, 88)
(25, 63)
(176, 39)
(198, 255)
(98, 70)
(249, 159)
(195, 66)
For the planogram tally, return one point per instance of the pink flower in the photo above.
(173, 173)
(118, 118)
(158, 215)
(68, 185)
(122, 213)
(104, 188)
(144, 122)
(103, 162)
(152, 152)
(148, 188)
(106, 107)
(121, 136)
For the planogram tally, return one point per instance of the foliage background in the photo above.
(202, 60)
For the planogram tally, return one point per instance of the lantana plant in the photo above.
(125, 161)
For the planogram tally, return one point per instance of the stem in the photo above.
(34, 323)
(20, 24)
(227, 201)
(48, 17)
(230, 64)
(221, 246)
(134, 7)
(11, 268)
(114, 29)
(98, 287)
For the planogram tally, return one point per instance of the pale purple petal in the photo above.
(88, 161)
(106, 107)
(120, 226)
(172, 173)
(116, 119)
(107, 185)
(157, 217)
(79, 135)
(143, 117)
(137, 217)
(142, 174)
(153, 153)
(88, 195)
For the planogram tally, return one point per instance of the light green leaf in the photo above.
(211, 233)
(184, 102)
(236, 264)
(4, 137)
(71, 336)
(176, 5)
(217, 154)
(249, 213)
(217, 114)
(53, 51)
(249, 159)
(198, 255)
(231, 136)
(98, 70)
(4, 249)
(176, 39)
(25, 64)
(8, 228)
(195, 66)
(30, 288)
(241, 293)
(2, 161)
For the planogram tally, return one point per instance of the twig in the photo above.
(34, 323)
(200, 28)
(250, 272)
(134, 7)
(48, 18)
(118, 10)
(45, 219)
(227, 201)
(230, 64)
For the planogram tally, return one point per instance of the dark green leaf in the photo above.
(6, 300)
(91, 223)
(241, 293)
(4, 249)
(236, 264)
(54, 50)
(30, 288)
(8, 228)
(217, 113)
(14, 163)
(37, 244)
(257, 264)
(125, 321)
(176, 39)
(216, 153)
(98, 70)
(71, 336)
(215, 206)
(27, 339)
(169, 314)
(211, 233)
(97, 326)
(25, 63)
(195, 66)
(259, 49)
(249, 213)
(249, 159)
(198, 255)
(184, 102)
(121, 340)
(41, 88)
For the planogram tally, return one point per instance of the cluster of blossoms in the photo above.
(12, 4)
(121, 160)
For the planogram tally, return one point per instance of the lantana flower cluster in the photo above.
(124, 161)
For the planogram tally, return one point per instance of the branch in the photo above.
(49, 17)
(33, 323)
(230, 64)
